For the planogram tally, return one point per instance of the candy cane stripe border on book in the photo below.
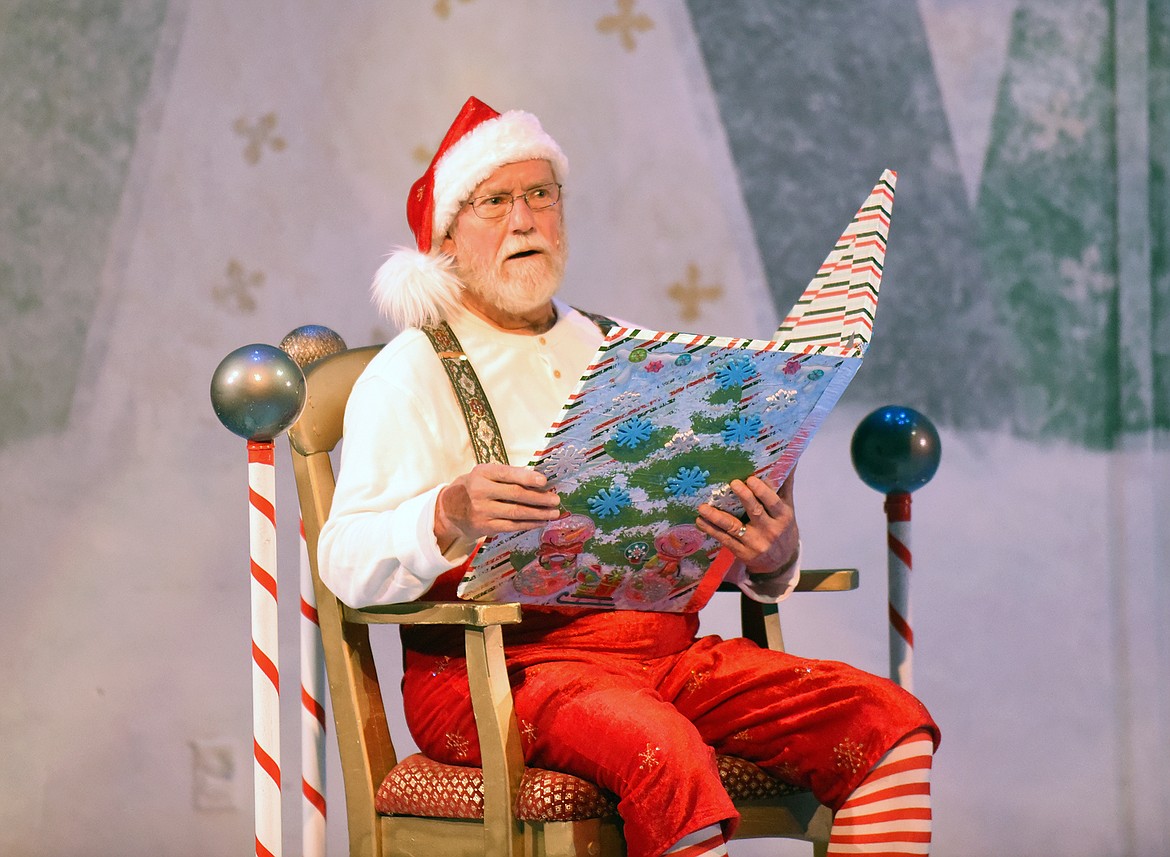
(846, 284)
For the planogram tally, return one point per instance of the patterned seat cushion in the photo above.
(419, 786)
(422, 787)
(745, 781)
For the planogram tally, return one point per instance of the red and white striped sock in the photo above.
(888, 815)
(706, 842)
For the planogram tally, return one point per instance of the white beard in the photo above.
(524, 285)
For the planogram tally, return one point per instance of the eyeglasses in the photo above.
(498, 205)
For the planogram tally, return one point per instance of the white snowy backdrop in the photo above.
(180, 178)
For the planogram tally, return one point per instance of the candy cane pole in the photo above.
(896, 450)
(258, 391)
(265, 659)
(305, 345)
(312, 717)
(901, 634)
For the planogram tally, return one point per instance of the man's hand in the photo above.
(493, 498)
(768, 542)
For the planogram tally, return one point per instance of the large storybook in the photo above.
(661, 422)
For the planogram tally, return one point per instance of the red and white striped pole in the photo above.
(257, 392)
(896, 450)
(265, 657)
(308, 344)
(900, 565)
(312, 716)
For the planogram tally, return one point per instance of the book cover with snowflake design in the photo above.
(661, 422)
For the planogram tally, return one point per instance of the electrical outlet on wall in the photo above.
(216, 769)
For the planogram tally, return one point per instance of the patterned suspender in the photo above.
(486, 441)
(482, 427)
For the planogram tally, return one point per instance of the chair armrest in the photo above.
(816, 580)
(827, 580)
(761, 622)
(472, 614)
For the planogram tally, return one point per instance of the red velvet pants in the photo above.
(633, 702)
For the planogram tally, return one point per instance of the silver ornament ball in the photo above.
(258, 391)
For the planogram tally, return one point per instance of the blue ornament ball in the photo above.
(258, 391)
(895, 449)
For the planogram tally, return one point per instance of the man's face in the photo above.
(515, 262)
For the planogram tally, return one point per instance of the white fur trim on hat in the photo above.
(414, 289)
(510, 137)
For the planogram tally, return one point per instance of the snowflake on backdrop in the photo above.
(688, 480)
(608, 502)
(633, 432)
(735, 373)
(239, 290)
(1056, 121)
(741, 429)
(1086, 277)
(443, 10)
(259, 136)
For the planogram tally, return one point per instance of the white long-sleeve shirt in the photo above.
(405, 439)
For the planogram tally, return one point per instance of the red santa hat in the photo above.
(418, 286)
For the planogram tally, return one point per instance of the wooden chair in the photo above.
(419, 807)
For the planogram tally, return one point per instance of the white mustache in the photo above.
(521, 246)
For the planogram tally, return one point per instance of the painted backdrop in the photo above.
(180, 178)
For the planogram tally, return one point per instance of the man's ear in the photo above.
(447, 245)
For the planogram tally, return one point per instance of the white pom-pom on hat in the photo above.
(415, 289)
